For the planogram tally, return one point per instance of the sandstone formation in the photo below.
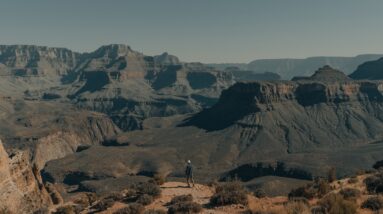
(21, 187)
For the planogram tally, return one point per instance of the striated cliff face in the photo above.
(296, 116)
(130, 86)
(114, 79)
(29, 60)
(21, 187)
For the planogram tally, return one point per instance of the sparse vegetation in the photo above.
(65, 210)
(184, 204)
(317, 189)
(181, 199)
(305, 192)
(103, 204)
(374, 183)
(295, 207)
(148, 188)
(336, 204)
(373, 203)
(353, 180)
(145, 199)
(229, 193)
(159, 179)
(350, 193)
(318, 210)
(133, 208)
(259, 193)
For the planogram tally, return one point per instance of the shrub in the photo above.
(185, 207)
(103, 204)
(115, 196)
(299, 200)
(65, 210)
(323, 187)
(148, 188)
(229, 193)
(155, 212)
(350, 193)
(159, 179)
(305, 192)
(297, 208)
(145, 199)
(181, 198)
(335, 203)
(331, 175)
(374, 183)
(353, 180)
(259, 193)
(184, 204)
(133, 208)
(318, 210)
(373, 203)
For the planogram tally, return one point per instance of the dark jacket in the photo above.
(189, 170)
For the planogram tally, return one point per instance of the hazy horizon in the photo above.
(208, 31)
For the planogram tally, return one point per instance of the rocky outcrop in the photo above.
(130, 86)
(326, 74)
(372, 70)
(21, 187)
(29, 60)
(301, 115)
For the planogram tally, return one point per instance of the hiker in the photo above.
(189, 173)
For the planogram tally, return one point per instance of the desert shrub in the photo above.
(115, 196)
(350, 193)
(86, 199)
(374, 183)
(159, 179)
(145, 199)
(184, 204)
(133, 208)
(229, 193)
(299, 200)
(297, 208)
(373, 203)
(331, 175)
(181, 198)
(353, 180)
(103, 204)
(318, 210)
(155, 212)
(65, 210)
(336, 204)
(323, 187)
(185, 207)
(305, 192)
(148, 188)
(259, 193)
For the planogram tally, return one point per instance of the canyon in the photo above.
(101, 121)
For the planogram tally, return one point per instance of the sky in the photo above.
(209, 31)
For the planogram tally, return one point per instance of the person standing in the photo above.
(189, 173)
